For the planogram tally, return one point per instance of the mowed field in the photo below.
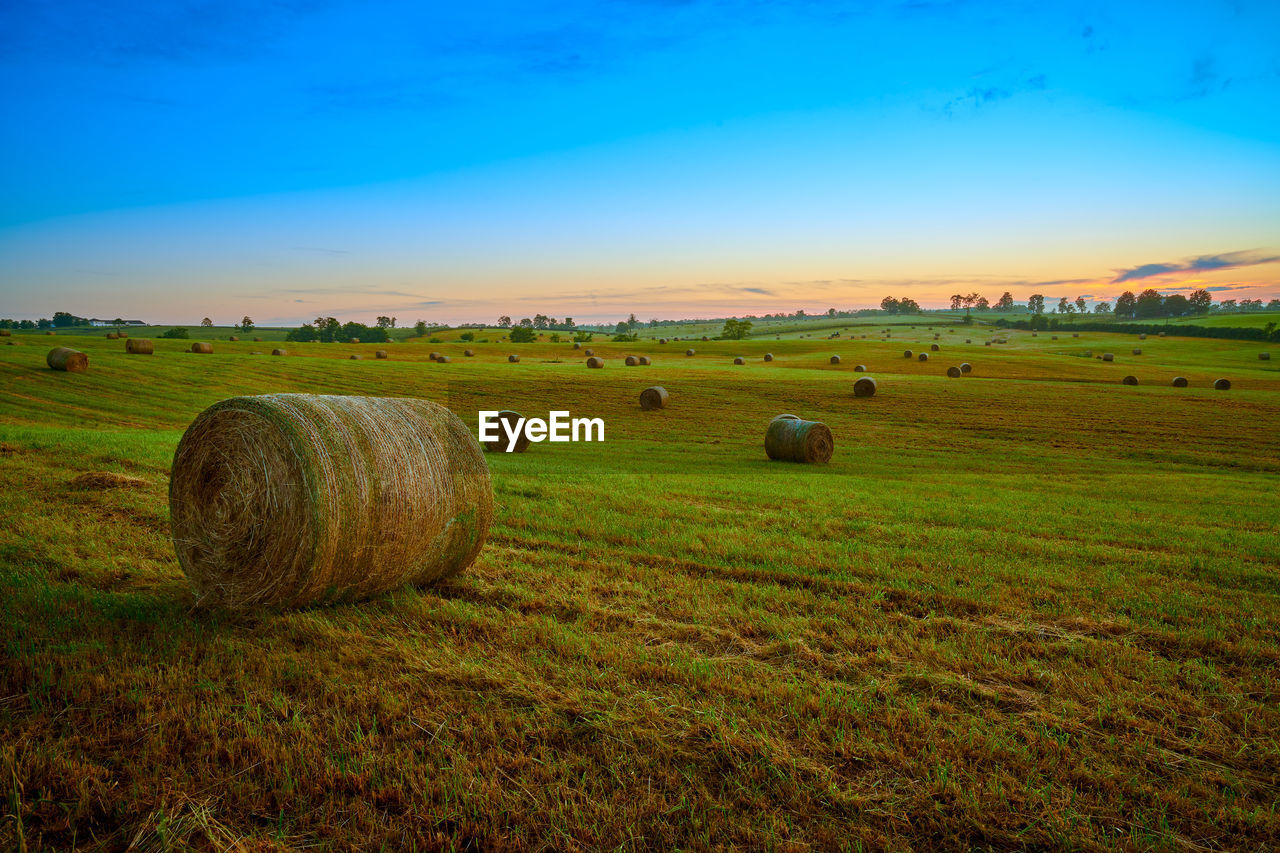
(1029, 608)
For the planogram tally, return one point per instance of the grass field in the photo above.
(1031, 608)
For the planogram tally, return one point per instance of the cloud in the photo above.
(759, 290)
(1200, 263)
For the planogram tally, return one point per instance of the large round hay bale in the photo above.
(1142, 337)
(595, 361)
(968, 340)
(924, 356)
(654, 397)
(1222, 384)
(513, 358)
(954, 372)
(5, 333)
(739, 360)
(689, 352)
(355, 357)
(293, 499)
(631, 361)
(589, 352)
(257, 340)
(705, 338)
(202, 348)
(859, 368)
(577, 345)
(796, 440)
(1075, 334)
(233, 338)
(768, 356)
(1106, 356)
(354, 341)
(835, 359)
(444, 359)
(1053, 338)
(1130, 380)
(1264, 356)
(935, 348)
(864, 387)
(662, 340)
(65, 358)
(966, 367)
(986, 343)
(1179, 382)
(139, 346)
(1035, 334)
(380, 354)
(644, 360)
(113, 336)
(1137, 352)
(503, 441)
(907, 353)
(278, 351)
(433, 355)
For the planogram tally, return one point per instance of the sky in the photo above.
(457, 162)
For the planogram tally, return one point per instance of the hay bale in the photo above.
(968, 340)
(286, 500)
(768, 356)
(1142, 337)
(69, 360)
(1222, 384)
(835, 359)
(937, 337)
(1130, 380)
(644, 361)
(1161, 335)
(924, 356)
(201, 348)
(1179, 382)
(689, 353)
(98, 480)
(113, 336)
(433, 355)
(5, 333)
(654, 397)
(966, 367)
(1035, 334)
(577, 345)
(631, 361)
(1053, 338)
(1106, 356)
(444, 359)
(705, 338)
(354, 341)
(123, 334)
(1264, 356)
(987, 343)
(795, 440)
(380, 354)
(233, 338)
(662, 340)
(513, 358)
(139, 346)
(859, 368)
(355, 357)
(1075, 334)
(279, 351)
(595, 361)
(864, 387)
(953, 372)
(257, 340)
(1137, 352)
(935, 348)
(589, 352)
(503, 441)
(469, 353)
(739, 360)
(49, 332)
(907, 353)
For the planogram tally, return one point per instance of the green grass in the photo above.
(1031, 608)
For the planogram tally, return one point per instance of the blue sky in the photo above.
(591, 159)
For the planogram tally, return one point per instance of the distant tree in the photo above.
(420, 328)
(889, 305)
(62, 320)
(1200, 301)
(328, 329)
(540, 321)
(568, 322)
(1149, 304)
(956, 301)
(44, 323)
(304, 333)
(621, 328)
(632, 322)
(1125, 305)
(1227, 305)
(1081, 305)
(1065, 307)
(1035, 303)
(831, 312)
(735, 330)
(983, 304)
(385, 322)
(527, 323)
(522, 334)
(207, 323)
(582, 337)
(1273, 305)
(179, 333)
(1039, 322)
(1102, 308)
(504, 321)
(1005, 302)
(246, 325)
(907, 305)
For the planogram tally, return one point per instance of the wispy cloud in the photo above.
(1200, 263)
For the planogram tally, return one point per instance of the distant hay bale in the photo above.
(968, 340)
(1161, 335)
(139, 346)
(589, 352)
(49, 332)
(1075, 334)
(631, 361)
(739, 360)
(4, 333)
(356, 357)
(1130, 380)
(354, 341)
(1142, 337)
(1106, 356)
(201, 348)
(1035, 334)
(662, 340)
(1264, 356)
(287, 500)
(987, 343)
(795, 440)
(644, 360)
(433, 355)
(113, 336)
(690, 352)
(1179, 382)
(953, 372)
(279, 351)
(1053, 338)
(924, 356)
(233, 338)
(859, 368)
(937, 337)
(835, 359)
(257, 340)
(1222, 384)
(577, 345)
(768, 356)
(513, 358)
(654, 397)
(907, 353)
(469, 353)
(935, 348)
(864, 387)
(98, 480)
(444, 359)
(966, 367)
(595, 361)
(1137, 352)
(380, 354)
(705, 338)
(503, 441)
(66, 359)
